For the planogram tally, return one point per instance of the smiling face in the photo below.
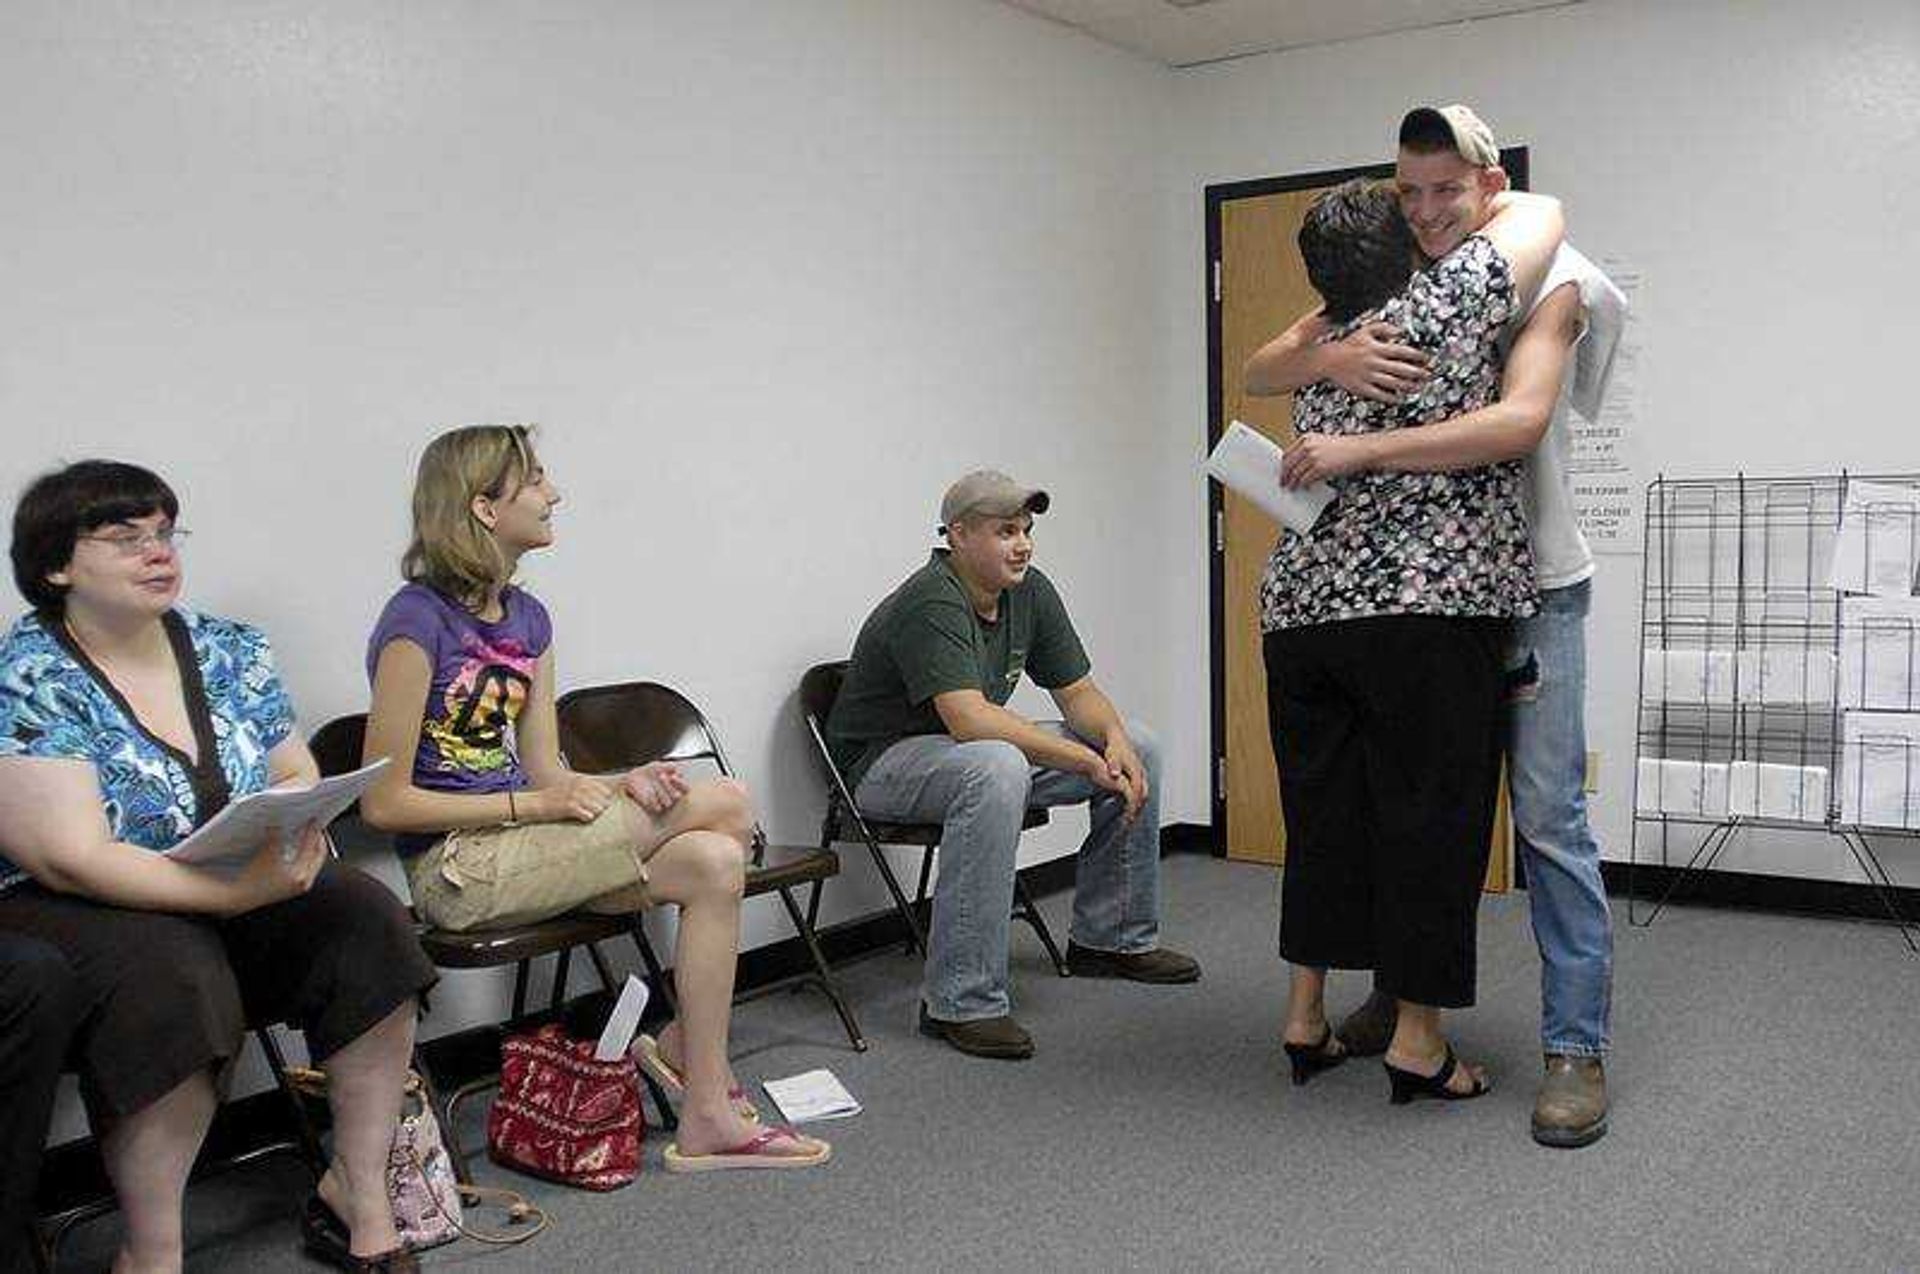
(130, 567)
(993, 553)
(521, 517)
(1443, 197)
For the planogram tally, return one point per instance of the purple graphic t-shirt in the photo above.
(482, 673)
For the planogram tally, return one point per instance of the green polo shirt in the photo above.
(926, 639)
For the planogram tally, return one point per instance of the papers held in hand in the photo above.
(231, 838)
(1248, 462)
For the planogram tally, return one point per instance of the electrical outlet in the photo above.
(1592, 785)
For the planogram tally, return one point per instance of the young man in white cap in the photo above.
(922, 733)
(1448, 174)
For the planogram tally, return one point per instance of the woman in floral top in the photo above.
(1384, 630)
(126, 722)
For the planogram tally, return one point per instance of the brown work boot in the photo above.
(1369, 1029)
(1571, 1110)
(1159, 965)
(1000, 1037)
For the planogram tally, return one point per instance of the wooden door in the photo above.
(1258, 286)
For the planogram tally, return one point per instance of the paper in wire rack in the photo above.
(1248, 462)
(811, 1095)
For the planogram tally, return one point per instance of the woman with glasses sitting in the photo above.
(127, 721)
(496, 831)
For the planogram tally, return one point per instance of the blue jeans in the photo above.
(1548, 757)
(979, 792)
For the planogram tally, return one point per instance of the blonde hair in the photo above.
(452, 551)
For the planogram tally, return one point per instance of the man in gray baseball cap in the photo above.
(922, 733)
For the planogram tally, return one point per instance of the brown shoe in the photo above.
(1369, 1029)
(1159, 965)
(1000, 1037)
(1571, 1110)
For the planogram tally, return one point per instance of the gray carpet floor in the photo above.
(1766, 1116)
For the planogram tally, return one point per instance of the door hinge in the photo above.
(1219, 530)
(1220, 778)
(1216, 280)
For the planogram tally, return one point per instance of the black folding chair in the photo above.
(819, 688)
(338, 746)
(618, 727)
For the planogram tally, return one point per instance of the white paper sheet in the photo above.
(1880, 769)
(1786, 674)
(230, 838)
(1248, 462)
(1792, 792)
(1879, 544)
(811, 1095)
(617, 1035)
(1683, 787)
(1880, 653)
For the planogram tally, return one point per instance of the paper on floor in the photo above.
(811, 1095)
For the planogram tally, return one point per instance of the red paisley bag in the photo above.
(564, 1116)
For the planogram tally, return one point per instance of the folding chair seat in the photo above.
(819, 688)
(338, 746)
(619, 727)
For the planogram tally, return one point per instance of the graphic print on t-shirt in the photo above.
(482, 700)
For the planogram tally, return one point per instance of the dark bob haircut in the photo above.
(57, 508)
(1357, 247)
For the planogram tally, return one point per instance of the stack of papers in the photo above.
(227, 842)
(811, 1095)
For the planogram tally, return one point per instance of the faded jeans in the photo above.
(979, 792)
(1547, 759)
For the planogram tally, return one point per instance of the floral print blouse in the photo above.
(1415, 543)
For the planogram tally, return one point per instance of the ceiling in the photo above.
(1189, 32)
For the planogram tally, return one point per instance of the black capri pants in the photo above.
(1387, 731)
(163, 996)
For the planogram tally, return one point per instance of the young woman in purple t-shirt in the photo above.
(497, 831)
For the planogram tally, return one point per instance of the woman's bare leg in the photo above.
(365, 1086)
(148, 1156)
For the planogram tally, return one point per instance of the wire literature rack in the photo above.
(1780, 670)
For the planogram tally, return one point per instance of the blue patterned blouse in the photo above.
(55, 703)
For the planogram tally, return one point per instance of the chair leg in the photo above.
(520, 990)
(803, 926)
(601, 967)
(309, 1140)
(562, 966)
(430, 1093)
(916, 934)
(926, 880)
(1026, 909)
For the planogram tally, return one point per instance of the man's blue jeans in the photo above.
(1548, 760)
(979, 792)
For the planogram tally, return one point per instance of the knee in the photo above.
(1147, 744)
(996, 765)
(732, 809)
(714, 865)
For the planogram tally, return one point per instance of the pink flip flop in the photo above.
(646, 1051)
(758, 1151)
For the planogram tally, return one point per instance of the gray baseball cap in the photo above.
(1471, 136)
(992, 493)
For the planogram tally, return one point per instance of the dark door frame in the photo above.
(1515, 160)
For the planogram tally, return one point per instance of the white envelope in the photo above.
(1880, 653)
(1683, 787)
(1880, 769)
(1786, 674)
(1795, 792)
(1248, 462)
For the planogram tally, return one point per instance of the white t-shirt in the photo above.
(1560, 552)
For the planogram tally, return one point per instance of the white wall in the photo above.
(770, 274)
(1753, 159)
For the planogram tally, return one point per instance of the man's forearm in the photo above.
(1497, 432)
(1042, 747)
(1288, 362)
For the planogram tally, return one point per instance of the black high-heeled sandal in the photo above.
(325, 1236)
(1309, 1060)
(1408, 1085)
